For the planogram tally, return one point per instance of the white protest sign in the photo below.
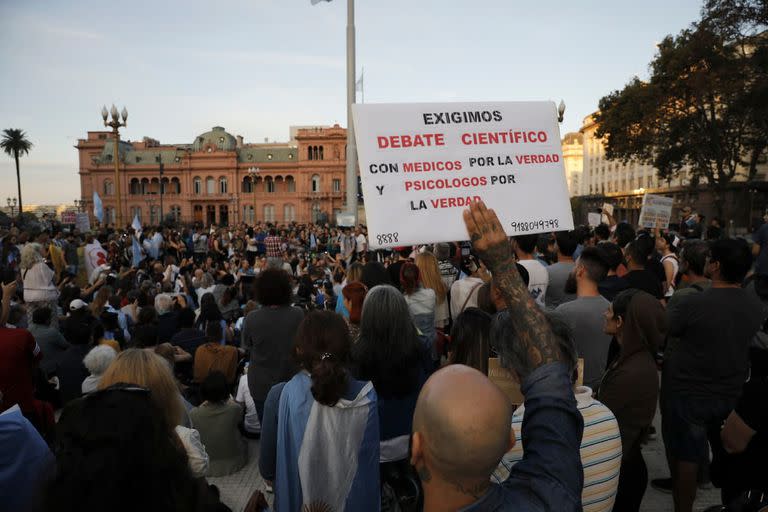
(656, 211)
(593, 219)
(82, 222)
(68, 216)
(422, 163)
(607, 212)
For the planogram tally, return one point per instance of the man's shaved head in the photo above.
(464, 424)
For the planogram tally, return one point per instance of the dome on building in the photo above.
(573, 138)
(218, 138)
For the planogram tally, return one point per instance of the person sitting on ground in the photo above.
(97, 361)
(461, 428)
(50, 340)
(213, 356)
(210, 313)
(251, 427)
(337, 467)
(470, 337)
(146, 369)
(600, 444)
(630, 386)
(217, 419)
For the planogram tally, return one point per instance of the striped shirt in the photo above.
(600, 452)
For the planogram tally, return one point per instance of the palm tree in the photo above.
(15, 143)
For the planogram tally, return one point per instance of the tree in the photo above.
(703, 107)
(15, 143)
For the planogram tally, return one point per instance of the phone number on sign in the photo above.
(532, 225)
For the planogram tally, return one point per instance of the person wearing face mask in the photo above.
(584, 315)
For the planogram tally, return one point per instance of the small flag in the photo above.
(98, 208)
(136, 225)
(359, 83)
(136, 250)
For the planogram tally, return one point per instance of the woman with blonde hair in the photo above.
(39, 288)
(429, 273)
(146, 369)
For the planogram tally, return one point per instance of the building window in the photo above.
(136, 212)
(289, 213)
(108, 189)
(269, 213)
(321, 153)
(175, 186)
(316, 183)
(337, 185)
(247, 185)
(197, 186)
(135, 187)
(290, 184)
(144, 186)
(270, 186)
(210, 214)
(310, 153)
(210, 186)
(176, 212)
(109, 215)
(222, 185)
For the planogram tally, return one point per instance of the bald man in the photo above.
(462, 423)
(461, 429)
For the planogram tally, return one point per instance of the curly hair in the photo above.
(30, 255)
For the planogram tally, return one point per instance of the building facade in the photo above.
(218, 178)
(573, 161)
(624, 184)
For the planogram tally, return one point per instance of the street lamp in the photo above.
(233, 209)
(150, 200)
(79, 204)
(560, 111)
(115, 124)
(253, 172)
(11, 204)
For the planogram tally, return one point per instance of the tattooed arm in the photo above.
(534, 343)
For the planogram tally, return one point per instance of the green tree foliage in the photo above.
(15, 144)
(704, 106)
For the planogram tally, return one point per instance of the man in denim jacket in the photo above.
(462, 421)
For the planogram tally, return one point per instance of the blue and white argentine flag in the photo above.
(333, 452)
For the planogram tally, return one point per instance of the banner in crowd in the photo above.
(656, 211)
(82, 222)
(593, 219)
(68, 217)
(421, 165)
(95, 257)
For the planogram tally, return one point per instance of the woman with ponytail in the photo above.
(335, 465)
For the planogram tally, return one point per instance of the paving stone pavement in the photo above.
(236, 489)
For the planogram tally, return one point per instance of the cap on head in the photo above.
(77, 304)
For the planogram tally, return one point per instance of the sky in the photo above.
(256, 67)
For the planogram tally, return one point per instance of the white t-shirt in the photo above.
(361, 243)
(464, 293)
(538, 280)
(251, 421)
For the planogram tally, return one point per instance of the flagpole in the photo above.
(351, 90)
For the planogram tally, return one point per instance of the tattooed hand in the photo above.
(531, 342)
(488, 238)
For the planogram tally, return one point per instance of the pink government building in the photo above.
(218, 178)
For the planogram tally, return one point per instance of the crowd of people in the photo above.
(135, 363)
